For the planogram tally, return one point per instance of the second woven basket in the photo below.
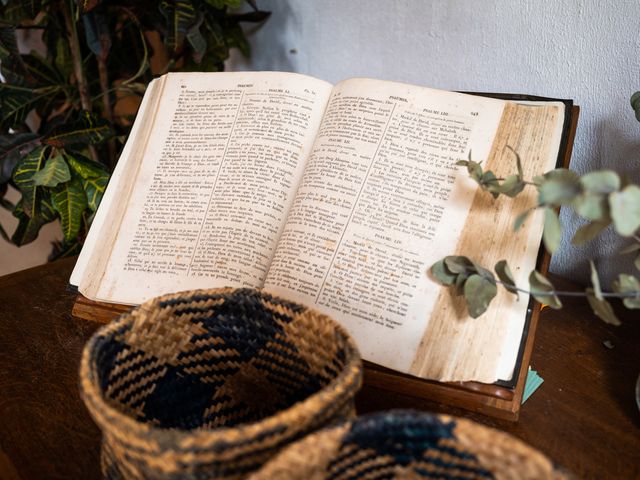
(211, 384)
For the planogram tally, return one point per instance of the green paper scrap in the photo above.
(532, 383)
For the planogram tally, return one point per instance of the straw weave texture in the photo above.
(408, 445)
(212, 383)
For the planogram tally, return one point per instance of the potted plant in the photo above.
(66, 109)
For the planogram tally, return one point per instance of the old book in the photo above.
(339, 197)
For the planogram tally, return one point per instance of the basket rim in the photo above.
(105, 414)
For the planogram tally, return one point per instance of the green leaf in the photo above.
(54, 172)
(459, 285)
(180, 16)
(490, 183)
(543, 291)
(635, 104)
(12, 148)
(592, 206)
(88, 129)
(64, 250)
(595, 281)
(29, 227)
(588, 232)
(478, 292)
(552, 232)
(625, 210)
(84, 167)
(15, 103)
(602, 181)
(520, 219)
(459, 264)
(23, 178)
(512, 186)
(558, 187)
(70, 201)
(628, 284)
(94, 189)
(506, 277)
(442, 274)
(602, 308)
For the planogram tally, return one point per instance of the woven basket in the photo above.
(408, 445)
(212, 383)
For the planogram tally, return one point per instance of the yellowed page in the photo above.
(214, 184)
(381, 200)
(455, 347)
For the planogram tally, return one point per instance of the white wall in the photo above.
(586, 50)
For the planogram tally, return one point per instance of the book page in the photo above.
(380, 201)
(214, 184)
(453, 343)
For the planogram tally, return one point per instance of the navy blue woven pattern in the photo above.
(393, 445)
(237, 362)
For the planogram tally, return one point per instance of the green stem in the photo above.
(568, 293)
(76, 56)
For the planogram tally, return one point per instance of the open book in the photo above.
(339, 197)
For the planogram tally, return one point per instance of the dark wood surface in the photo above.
(584, 416)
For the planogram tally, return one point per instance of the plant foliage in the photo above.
(61, 127)
(601, 198)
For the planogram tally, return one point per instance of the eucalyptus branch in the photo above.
(572, 293)
(479, 287)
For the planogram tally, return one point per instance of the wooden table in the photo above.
(584, 416)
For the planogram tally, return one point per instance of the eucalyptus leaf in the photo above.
(512, 186)
(506, 277)
(460, 281)
(602, 308)
(543, 291)
(601, 181)
(552, 233)
(595, 281)
(70, 201)
(592, 206)
(625, 210)
(588, 232)
(557, 191)
(54, 172)
(478, 293)
(628, 284)
(459, 264)
(442, 274)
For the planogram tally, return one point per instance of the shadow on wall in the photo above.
(274, 54)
